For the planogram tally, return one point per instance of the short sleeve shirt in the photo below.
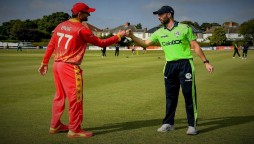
(175, 42)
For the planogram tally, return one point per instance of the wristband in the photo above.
(119, 37)
(44, 63)
(206, 61)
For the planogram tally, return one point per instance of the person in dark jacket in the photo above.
(245, 50)
(236, 51)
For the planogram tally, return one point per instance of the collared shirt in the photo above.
(175, 42)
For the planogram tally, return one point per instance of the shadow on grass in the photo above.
(210, 124)
(218, 123)
(114, 127)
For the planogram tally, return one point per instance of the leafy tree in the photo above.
(139, 26)
(215, 24)
(31, 35)
(218, 37)
(32, 30)
(187, 22)
(7, 27)
(247, 29)
(17, 25)
(26, 30)
(28, 24)
(205, 26)
(48, 23)
(195, 24)
(3, 32)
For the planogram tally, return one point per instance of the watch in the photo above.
(206, 61)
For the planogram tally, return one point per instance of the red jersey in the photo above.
(69, 42)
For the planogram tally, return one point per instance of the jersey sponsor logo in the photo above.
(173, 42)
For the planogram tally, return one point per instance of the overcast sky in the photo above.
(112, 13)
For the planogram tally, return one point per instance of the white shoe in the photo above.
(166, 127)
(192, 130)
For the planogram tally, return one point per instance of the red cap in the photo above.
(81, 7)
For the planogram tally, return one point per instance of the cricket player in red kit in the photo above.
(68, 43)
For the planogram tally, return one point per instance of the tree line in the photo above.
(32, 30)
(40, 29)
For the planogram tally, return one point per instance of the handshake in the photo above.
(125, 33)
(128, 33)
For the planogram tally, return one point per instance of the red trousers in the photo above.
(69, 83)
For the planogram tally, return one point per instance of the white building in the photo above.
(141, 33)
(231, 29)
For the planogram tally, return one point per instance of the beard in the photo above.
(85, 19)
(164, 21)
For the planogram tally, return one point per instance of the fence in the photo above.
(28, 45)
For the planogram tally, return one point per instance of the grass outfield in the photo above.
(124, 100)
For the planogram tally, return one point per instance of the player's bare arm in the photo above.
(121, 34)
(202, 56)
(142, 43)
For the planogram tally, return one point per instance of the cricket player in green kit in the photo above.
(176, 40)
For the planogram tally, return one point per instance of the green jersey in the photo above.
(175, 42)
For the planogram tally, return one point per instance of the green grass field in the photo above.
(124, 100)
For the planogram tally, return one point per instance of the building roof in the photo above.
(227, 29)
(152, 30)
(94, 28)
(195, 30)
(124, 27)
